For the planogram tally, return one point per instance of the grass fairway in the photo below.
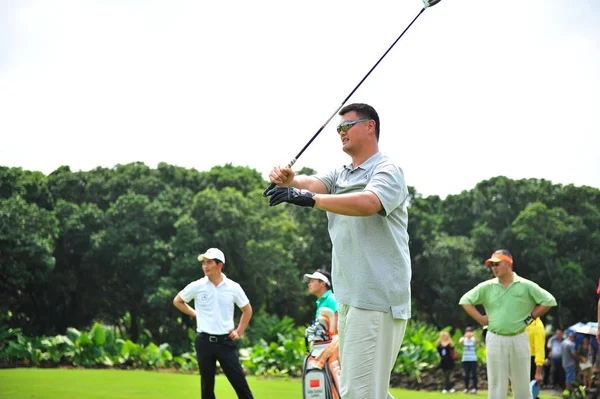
(123, 384)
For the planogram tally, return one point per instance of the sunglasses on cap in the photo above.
(345, 126)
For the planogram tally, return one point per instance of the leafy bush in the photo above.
(98, 347)
(418, 351)
(281, 358)
(280, 352)
(267, 327)
(187, 362)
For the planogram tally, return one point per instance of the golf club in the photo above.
(427, 4)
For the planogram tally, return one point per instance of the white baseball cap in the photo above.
(212, 253)
(318, 276)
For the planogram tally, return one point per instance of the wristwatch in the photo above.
(529, 319)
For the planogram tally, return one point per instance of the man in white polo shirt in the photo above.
(214, 296)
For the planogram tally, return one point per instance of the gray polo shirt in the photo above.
(370, 258)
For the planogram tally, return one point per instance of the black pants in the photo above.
(470, 372)
(225, 351)
(546, 371)
(558, 373)
(447, 375)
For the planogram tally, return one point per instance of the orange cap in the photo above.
(498, 258)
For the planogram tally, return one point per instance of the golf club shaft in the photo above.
(293, 161)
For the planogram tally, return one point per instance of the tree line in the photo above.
(117, 244)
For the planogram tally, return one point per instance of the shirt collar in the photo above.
(516, 279)
(368, 163)
(324, 296)
(224, 281)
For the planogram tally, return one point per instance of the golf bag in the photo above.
(321, 367)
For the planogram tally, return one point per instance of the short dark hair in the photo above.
(326, 274)
(504, 252)
(364, 111)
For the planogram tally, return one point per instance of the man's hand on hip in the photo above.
(529, 319)
(483, 320)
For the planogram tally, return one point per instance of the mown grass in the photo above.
(32, 383)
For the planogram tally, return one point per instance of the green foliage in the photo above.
(98, 347)
(281, 358)
(268, 328)
(418, 351)
(27, 239)
(7, 335)
(187, 362)
(117, 244)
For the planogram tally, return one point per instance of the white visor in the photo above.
(317, 276)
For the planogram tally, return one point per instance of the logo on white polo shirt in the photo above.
(204, 297)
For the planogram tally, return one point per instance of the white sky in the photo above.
(475, 89)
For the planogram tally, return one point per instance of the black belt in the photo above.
(214, 338)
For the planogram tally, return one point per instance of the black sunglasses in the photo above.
(345, 126)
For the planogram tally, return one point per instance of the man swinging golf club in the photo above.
(366, 203)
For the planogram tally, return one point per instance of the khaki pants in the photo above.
(369, 345)
(508, 358)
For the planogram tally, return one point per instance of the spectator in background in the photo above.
(547, 368)
(445, 347)
(554, 345)
(598, 329)
(585, 354)
(511, 303)
(597, 363)
(319, 285)
(537, 338)
(469, 358)
(569, 360)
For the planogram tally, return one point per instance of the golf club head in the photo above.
(430, 3)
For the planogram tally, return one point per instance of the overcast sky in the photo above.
(475, 89)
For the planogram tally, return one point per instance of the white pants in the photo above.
(369, 345)
(508, 358)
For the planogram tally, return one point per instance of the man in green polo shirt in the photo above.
(319, 285)
(511, 303)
